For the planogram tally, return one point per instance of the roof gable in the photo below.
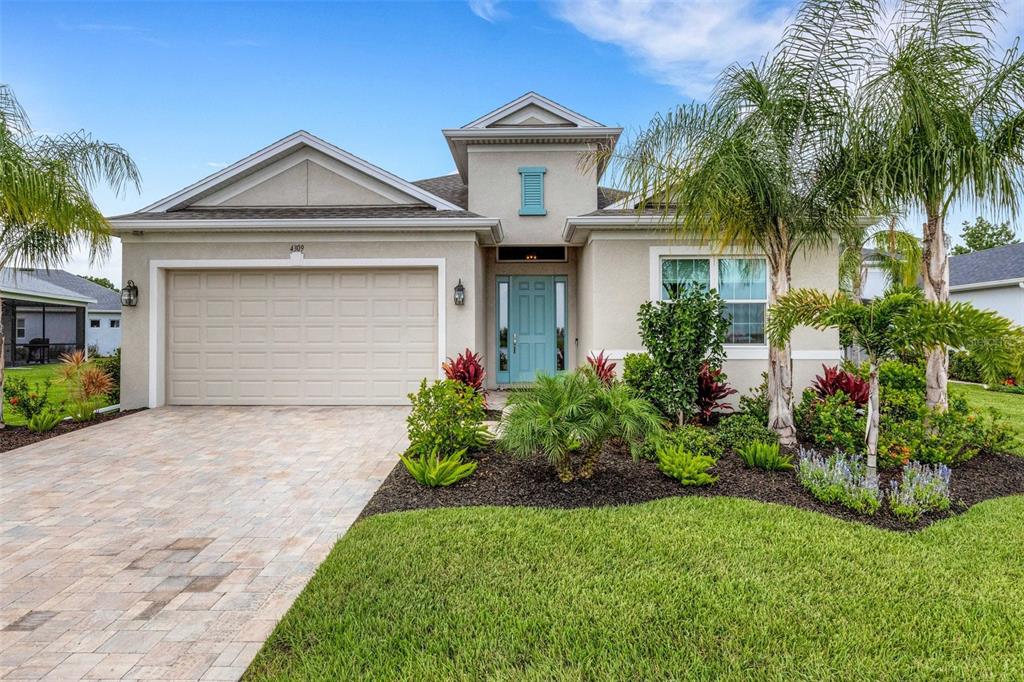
(300, 170)
(532, 110)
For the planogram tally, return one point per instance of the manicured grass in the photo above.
(1009, 405)
(694, 588)
(37, 374)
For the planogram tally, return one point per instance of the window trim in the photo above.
(660, 253)
(20, 327)
(531, 171)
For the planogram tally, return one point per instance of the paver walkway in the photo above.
(166, 544)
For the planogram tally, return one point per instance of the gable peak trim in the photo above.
(538, 100)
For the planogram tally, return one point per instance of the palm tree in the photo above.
(943, 110)
(898, 322)
(46, 210)
(764, 164)
(897, 253)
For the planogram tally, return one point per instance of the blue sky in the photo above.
(190, 87)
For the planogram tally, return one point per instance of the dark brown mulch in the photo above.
(501, 480)
(13, 437)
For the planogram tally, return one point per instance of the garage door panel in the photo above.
(324, 337)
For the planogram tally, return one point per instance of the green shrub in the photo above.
(739, 429)
(43, 421)
(839, 478)
(767, 456)
(447, 416)
(699, 440)
(24, 399)
(682, 335)
(637, 372)
(685, 466)
(831, 422)
(902, 376)
(963, 367)
(575, 412)
(112, 366)
(755, 403)
(433, 470)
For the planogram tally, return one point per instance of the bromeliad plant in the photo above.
(901, 321)
(575, 414)
(603, 367)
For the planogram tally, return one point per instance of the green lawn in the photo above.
(37, 374)
(694, 588)
(1009, 405)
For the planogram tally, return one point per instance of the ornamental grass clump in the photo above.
(924, 488)
(839, 478)
(767, 456)
(686, 466)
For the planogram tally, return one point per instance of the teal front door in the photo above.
(531, 327)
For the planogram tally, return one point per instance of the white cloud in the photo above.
(488, 10)
(685, 43)
(217, 164)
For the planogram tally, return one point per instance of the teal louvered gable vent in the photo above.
(532, 179)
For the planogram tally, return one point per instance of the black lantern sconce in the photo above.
(460, 293)
(130, 294)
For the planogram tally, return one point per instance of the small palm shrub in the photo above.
(24, 399)
(839, 478)
(712, 389)
(603, 367)
(740, 429)
(699, 441)
(40, 422)
(447, 416)
(922, 489)
(575, 413)
(767, 456)
(685, 466)
(434, 470)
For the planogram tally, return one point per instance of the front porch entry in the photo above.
(532, 327)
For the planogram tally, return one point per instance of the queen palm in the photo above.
(899, 322)
(46, 210)
(764, 165)
(897, 253)
(944, 111)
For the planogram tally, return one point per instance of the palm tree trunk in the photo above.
(871, 435)
(936, 288)
(780, 364)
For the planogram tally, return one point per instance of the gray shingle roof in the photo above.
(991, 265)
(297, 213)
(106, 299)
(28, 281)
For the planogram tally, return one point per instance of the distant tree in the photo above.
(102, 281)
(981, 235)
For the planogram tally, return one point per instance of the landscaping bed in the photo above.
(13, 437)
(501, 480)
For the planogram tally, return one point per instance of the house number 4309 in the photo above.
(297, 248)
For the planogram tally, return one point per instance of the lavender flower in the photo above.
(923, 488)
(839, 478)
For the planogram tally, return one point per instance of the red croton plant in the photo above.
(711, 390)
(466, 368)
(603, 367)
(837, 380)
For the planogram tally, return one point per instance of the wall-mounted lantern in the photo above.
(130, 294)
(460, 293)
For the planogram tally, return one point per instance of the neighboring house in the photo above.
(992, 279)
(41, 320)
(305, 275)
(876, 279)
(103, 318)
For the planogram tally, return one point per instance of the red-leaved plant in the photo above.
(837, 380)
(603, 367)
(711, 390)
(467, 369)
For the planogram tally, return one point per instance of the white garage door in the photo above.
(315, 337)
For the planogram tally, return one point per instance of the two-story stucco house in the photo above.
(305, 275)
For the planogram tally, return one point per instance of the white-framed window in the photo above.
(741, 281)
(19, 326)
(94, 323)
(115, 324)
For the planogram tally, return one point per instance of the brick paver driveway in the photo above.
(167, 544)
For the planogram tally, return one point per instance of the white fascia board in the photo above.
(283, 146)
(491, 225)
(532, 132)
(573, 224)
(994, 284)
(532, 98)
(35, 297)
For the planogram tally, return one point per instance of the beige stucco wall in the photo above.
(459, 252)
(494, 188)
(614, 280)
